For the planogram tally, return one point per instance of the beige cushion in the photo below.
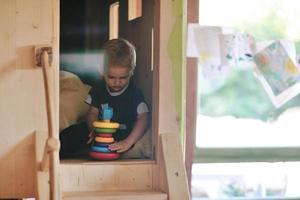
(73, 93)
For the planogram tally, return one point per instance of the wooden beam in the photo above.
(134, 9)
(132, 195)
(176, 174)
(191, 95)
(100, 176)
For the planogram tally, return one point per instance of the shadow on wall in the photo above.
(25, 57)
(17, 169)
(24, 60)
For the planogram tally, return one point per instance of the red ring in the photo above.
(105, 135)
(104, 156)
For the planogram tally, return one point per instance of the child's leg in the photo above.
(141, 149)
(73, 139)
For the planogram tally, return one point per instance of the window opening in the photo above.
(114, 20)
(81, 64)
(134, 9)
(236, 120)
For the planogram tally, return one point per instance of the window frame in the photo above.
(261, 154)
(239, 154)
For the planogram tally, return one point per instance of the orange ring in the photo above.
(104, 140)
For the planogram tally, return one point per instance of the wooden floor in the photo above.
(116, 162)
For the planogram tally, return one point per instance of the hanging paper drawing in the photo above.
(204, 44)
(278, 73)
(237, 49)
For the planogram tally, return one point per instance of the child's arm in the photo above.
(92, 115)
(137, 132)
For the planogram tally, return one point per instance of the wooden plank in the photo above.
(176, 174)
(17, 147)
(14, 163)
(125, 195)
(106, 177)
(42, 178)
(23, 25)
(159, 178)
(191, 95)
(134, 9)
(7, 80)
(191, 114)
(114, 162)
(114, 21)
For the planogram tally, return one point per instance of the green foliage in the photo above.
(234, 190)
(241, 96)
(271, 26)
(264, 31)
(297, 44)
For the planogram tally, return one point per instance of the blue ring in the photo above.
(97, 144)
(100, 149)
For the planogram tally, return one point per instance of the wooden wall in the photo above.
(171, 67)
(169, 78)
(139, 31)
(23, 24)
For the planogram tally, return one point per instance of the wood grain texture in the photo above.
(24, 24)
(42, 177)
(191, 95)
(176, 174)
(106, 177)
(132, 195)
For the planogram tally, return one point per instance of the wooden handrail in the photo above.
(52, 143)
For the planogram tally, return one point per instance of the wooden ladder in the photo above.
(128, 179)
(125, 179)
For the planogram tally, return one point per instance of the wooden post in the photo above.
(54, 168)
(176, 174)
(191, 95)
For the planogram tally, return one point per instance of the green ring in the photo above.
(105, 130)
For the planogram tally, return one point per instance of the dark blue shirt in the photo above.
(125, 106)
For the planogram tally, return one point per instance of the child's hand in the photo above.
(91, 137)
(120, 146)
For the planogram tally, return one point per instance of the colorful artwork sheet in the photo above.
(219, 50)
(205, 45)
(278, 73)
(288, 45)
(237, 49)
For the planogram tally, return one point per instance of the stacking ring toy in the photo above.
(104, 156)
(104, 140)
(105, 130)
(100, 124)
(101, 149)
(106, 135)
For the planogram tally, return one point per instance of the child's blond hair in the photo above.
(119, 52)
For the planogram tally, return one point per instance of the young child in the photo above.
(119, 92)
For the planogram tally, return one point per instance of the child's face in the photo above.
(117, 78)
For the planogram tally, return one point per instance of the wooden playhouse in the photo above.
(30, 98)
